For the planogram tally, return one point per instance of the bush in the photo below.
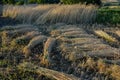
(8, 1)
(111, 16)
(20, 3)
(72, 1)
(37, 1)
(40, 1)
(31, 1)
(52, 1)
(98, 2)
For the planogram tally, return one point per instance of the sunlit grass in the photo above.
(42, 14)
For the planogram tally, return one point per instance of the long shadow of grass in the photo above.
(4, 21)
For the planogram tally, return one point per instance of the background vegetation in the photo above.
(50, 1)
(107, 15)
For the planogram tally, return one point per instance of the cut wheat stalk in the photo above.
(41, 14)
(46, 72)
(112, 61)
(48, 47)
(105, 53)
(106, 36)
(25, 38)
(17, 27)
(17, 32)
(118, 33)
(35, 41)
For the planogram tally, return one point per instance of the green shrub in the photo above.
(81, 1)
(20, 3)
(4, 1)
(40, 1)
(52, 1)
(111, 16)
(36, 1)
(98, 2)
(72, 1)
(31, 1)
(8, 1)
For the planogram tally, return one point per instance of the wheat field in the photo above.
(57, 42)
(42, 14)
(60, 51)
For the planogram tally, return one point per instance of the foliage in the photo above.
(31, 1)
(43, 1)
(20, 3)
(8, 1)
(51, 1)
(81, 1)
(40, 1)
(108, 16)
(72, 1)
(93, 2)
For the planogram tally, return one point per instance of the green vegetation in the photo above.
(19, 2)
(81, 1)
(108, 15)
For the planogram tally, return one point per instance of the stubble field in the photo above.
(57, 42)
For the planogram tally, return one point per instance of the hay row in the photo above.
(51, 13)
(25, 38)
(35, 41)
(118, 33)
(106, 36)
(47, 72)
(48, 47)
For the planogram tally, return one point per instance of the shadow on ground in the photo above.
(4, 21)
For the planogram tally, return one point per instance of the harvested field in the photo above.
(57, 42)
(63, 47)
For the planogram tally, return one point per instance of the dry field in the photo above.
(71, 49)
(42, 14)
(56, 43)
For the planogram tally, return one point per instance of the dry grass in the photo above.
(104, 35)
(35, 41)
(24, 39)
(51, 13)
(118, 33)
(102, 68)
(48, 48)
(54, 75)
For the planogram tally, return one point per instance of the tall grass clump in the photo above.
(42, 14)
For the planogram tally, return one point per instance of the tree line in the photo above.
(21, 2)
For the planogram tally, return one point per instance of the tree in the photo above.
(8, 1)
(11, 1)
